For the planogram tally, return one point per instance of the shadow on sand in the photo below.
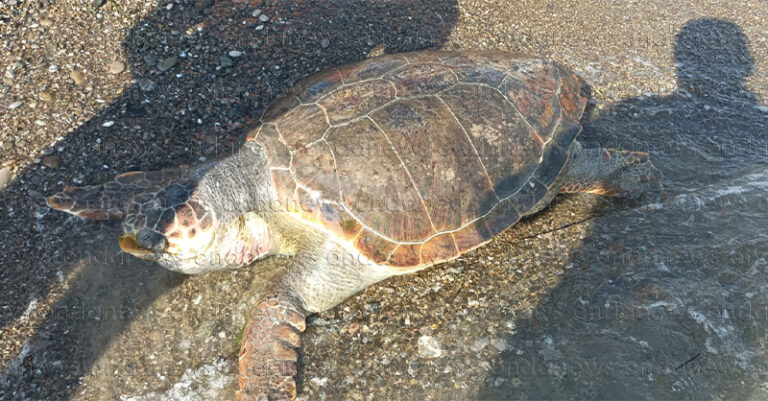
(663, 301)
(165, 120)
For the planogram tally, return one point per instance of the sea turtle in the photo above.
(361, 173)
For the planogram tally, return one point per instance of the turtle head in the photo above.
(169, 218)
(171, 226)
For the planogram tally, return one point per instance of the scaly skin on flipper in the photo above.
(268, 356)
(110, 200)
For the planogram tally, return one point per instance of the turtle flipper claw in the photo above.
(268, 356)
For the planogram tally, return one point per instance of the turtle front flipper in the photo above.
(92, 202)
(108, 201)
(268, 359)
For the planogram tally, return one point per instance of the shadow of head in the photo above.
(712, 55)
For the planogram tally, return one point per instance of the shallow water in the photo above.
(672, 299)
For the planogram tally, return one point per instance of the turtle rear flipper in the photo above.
(109, 201)
(268, 356)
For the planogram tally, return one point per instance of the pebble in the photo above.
(46, 22)
(155, 336)
(226, 61)
(256, 13)
(53, 68)
(116, 67)
(52, 161)
(499, 344)
(146, 85)
(480, 344)
(429, 347)
(260, 27)
(235, 53)
(77, 77)
(15, 105)
(319, 382)
(108, 124)
(46, 97)
(325, 43)
(5, 177)
(167, 63)
(150, 59)
(263, 18)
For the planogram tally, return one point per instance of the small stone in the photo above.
(116, 67)
(429, 347)
(77, 77)
(325, 43)
(167, 63)
(5, 177)
(256, 13)
(15, 105)
(499, 344)
(46, 97)
(319, 382)
(150, 60)
(156, 336)
(235, 53)
(108, 124)
(46, 22)
(53, 68)
(225, 61)
(263, 18)
(260, 27)
(52, 161)
(146, 85)
(480, 344)
(169, 6)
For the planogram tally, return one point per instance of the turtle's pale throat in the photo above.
(128, 243)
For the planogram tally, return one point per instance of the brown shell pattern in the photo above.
(418, 157)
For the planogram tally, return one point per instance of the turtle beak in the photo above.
(128, 243)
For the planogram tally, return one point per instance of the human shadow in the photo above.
(662, 300)
(204, 71)
(711, 127)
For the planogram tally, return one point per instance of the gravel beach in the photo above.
(548, 310)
